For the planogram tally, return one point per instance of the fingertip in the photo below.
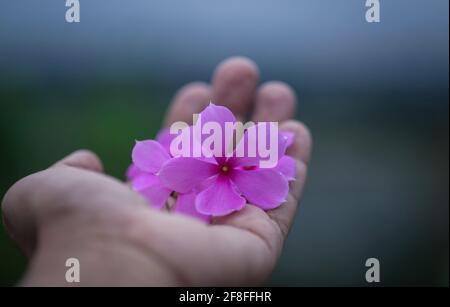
(302, 145)
(234, 84)
(278, 89)
(190, 99)
(83, 158)
(237, 64)
(275, 101)
(193, 90)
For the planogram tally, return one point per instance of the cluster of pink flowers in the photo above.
(213, 186)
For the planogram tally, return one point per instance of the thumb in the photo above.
(82, 159)
(18, 209)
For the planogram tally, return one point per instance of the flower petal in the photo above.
(221, 198)
(132, 172)
(164, 137)
(248, 151)
(219, 115)
(265, 188)
(151, 187)
(143, 181)
(288, 138)
(149, 156)
(186, 205)
(157, 197)
(182, 174)
(287, 166)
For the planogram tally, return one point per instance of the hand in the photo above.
(72, 209)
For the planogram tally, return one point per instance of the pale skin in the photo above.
(73, 209)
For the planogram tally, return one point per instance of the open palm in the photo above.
(74, 210)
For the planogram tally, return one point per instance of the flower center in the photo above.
(225, 168)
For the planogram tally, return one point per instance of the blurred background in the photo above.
(374, 95)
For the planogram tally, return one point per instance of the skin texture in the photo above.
(73, 209)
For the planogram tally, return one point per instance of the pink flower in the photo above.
(186, 205)
(216, 185)
(148, 157)
(286, 165)
(224, 184)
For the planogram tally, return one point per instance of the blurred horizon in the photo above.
(327, 44)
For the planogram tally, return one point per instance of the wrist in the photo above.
(107, 252)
